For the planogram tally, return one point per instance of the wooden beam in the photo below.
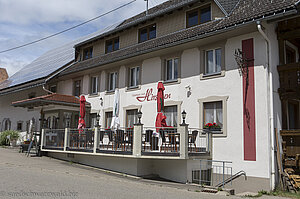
(290, 34)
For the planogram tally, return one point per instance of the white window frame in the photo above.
(173, 69)
(224, 100)
(136, 76)
(92, 85)
(214, 61)
(113, 82)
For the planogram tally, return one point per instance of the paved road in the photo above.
(44, 177)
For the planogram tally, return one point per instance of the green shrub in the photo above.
(3, 137)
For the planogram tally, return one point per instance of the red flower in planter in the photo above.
(211, 125)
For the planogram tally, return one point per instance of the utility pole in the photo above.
(147, 6)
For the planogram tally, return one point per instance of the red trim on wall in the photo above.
(249, 103)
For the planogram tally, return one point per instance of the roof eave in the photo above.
(219, 31)
(138, 21)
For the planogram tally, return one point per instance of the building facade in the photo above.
(217, 60)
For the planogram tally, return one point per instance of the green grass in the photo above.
(285, 194)
(279, 193)
(276, 193)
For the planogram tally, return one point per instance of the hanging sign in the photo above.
(149, 96)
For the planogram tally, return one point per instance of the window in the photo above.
(112, 81)
(77, 88)
(54, 122)
(171, 114)
(20, 126)
(131, 117)
(7, 124)
(49, 122)
(27, 125)
(198, 16)
(112, 45)
(93, 120)
(171, 69)
(67, 119)
(293, 115)
(147, 33)
(108, 118)
(213, 59)
(87, 53)
(213, 113)
(53, 88)
(213, 109)
(134, 76)
(94, 85)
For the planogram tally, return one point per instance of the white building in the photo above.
(190, 46)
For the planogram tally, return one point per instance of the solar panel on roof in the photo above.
(50, 62)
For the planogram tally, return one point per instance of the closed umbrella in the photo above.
(115, 122)
(81, 122)
(160, 118)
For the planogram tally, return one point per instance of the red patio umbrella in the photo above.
(160, 118)
(81, 123)
(160, 97)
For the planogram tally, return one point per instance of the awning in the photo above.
(51, 99)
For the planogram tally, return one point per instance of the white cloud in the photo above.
(23, 21)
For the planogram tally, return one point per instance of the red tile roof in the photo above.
(55, 98)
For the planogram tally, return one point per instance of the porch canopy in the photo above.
(51, 99)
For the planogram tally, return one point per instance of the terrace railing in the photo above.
(180, 141)
(81, 140)
(165, 141)
(212, 173)
(199, 141)
(54, 138)
(114, 140)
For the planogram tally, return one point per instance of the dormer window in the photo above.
(87, 53)
(112, 45)
(198, 16)
(147, 33)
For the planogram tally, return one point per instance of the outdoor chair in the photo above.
(172, 140)
(192, 139)
(129, 138)
(120, 139)
(101, 136)
(150, 140)
(89, 138)
(110, 135)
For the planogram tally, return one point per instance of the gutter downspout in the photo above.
(270, 107)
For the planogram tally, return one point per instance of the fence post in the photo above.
(66, 141)
(96, 142)
(184, 140)
(42, 138)
(137, 139)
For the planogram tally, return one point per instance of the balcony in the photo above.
(289, 75)
(138, 142)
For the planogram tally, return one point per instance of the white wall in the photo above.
(18, 114)
(230, 147)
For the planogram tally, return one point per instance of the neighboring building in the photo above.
(234, 63)
(3, 74)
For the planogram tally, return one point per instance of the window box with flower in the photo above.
(212, 126)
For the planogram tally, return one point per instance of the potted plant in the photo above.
(9, 137)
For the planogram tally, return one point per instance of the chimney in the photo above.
(3, 75)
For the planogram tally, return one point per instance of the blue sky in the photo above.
(23, 21)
